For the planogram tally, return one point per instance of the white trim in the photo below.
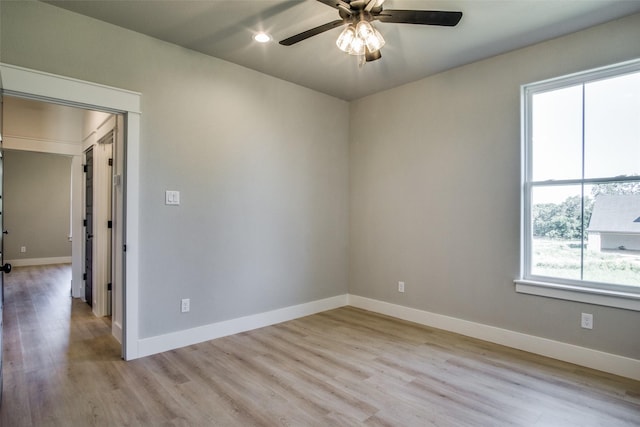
(25, 262)
(26, 143)
(100, 130)
(38, 85)
(131, 187)
(607, 362)
(77, 227)
(595, 296)
(116, 330)
(117, 264)
(26, 83)
(160, 343)
(587, 76)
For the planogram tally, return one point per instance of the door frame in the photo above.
(105, 144)
(88, 252)
(37, 85)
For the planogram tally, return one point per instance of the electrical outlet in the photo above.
(400, 286)
(185, 305)
(586, 321)
(23, 249)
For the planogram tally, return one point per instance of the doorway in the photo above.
(32, 84)
(64, 215)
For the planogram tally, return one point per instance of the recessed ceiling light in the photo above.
(262, 37)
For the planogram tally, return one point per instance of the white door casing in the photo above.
(32, 84)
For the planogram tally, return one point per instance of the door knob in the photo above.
(5, 232)
(6, 268)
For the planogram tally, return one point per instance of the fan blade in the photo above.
(336, 4)
(312, 32)
(421, 17)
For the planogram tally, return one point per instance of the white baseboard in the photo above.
(25, 262)
(595, 359)
(607, 362)
(116, 331)
(160, 343)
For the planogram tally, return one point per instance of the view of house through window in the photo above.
(582, 180)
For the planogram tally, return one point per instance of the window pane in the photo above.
(612, 127)
(556, 218)
(557, 134)
(613, 234)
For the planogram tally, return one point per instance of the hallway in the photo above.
(54, 349)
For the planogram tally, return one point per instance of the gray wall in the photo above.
(37, 201)
(261, 165)
(435, 195)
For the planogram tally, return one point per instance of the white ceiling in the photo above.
(224, 29)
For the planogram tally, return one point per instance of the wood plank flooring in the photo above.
(344, 367)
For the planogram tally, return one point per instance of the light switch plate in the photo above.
(586, 321)
(171, 197)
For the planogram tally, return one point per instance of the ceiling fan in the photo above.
(360, 37)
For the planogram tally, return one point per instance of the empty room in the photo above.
(322, 213)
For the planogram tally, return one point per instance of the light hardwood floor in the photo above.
(344, 367)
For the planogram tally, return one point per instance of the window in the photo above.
(581, 183)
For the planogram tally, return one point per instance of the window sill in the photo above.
(625, 300)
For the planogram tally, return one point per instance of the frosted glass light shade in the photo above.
(357, 46)
(375, 41)
(346, 38)
(372, 37)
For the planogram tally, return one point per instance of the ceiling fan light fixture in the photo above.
(370, 56)
(358, 46)
(374, 41)
(370, 35)
(346, 38)
(364, 29)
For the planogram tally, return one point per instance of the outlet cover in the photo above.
(400, 286)
(185, 305)
(586, 321)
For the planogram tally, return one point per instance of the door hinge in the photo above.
(85, 168)
(84, 276)
(124, 248)
(84, 222)
(109, 224)
(110, 162)
(108, 286)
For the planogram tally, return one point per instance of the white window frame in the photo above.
(574, 290)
